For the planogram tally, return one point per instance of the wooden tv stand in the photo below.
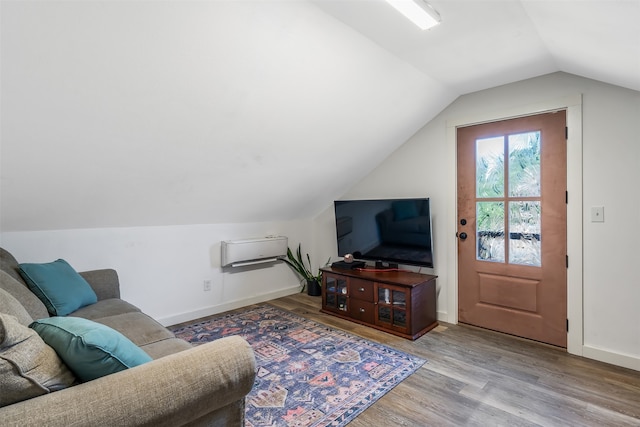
(399, 302)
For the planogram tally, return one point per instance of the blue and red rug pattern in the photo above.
(308, 374)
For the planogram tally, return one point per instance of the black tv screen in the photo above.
(394, 231)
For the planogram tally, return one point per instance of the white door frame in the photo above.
(573, 107)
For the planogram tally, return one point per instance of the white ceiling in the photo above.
(132, 113)
(482, 44)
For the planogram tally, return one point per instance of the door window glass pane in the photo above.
(490, 231)
(524, 164)
(490, 167)
(524, 233)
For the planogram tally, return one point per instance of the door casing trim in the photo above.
(573, 106)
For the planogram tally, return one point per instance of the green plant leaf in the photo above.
(296, 262)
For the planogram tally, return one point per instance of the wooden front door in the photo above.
(512, 241)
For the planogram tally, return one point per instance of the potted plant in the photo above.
(309, 280)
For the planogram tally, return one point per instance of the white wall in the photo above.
(162, 269)
(425, 166)
(172, 112)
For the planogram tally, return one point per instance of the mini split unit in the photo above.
(239, 253)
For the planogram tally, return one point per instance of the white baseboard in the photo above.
(607, 356)
(232, 305)
(226, 306)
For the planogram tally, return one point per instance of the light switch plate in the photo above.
(597, 214)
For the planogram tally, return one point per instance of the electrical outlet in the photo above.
(597, 214)
(207, 285)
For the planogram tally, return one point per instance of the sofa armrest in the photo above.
(105, 283)
(170, 391)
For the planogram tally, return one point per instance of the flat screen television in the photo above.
(388, 231)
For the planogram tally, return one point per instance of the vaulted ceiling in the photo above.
(482, 44)
(133, 113)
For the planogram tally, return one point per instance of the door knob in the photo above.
(463, 236)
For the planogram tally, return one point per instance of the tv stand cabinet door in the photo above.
(334, 293)
(392, 308)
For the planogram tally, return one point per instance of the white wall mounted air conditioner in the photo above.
(238, 253)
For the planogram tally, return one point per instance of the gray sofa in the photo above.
(183, 385)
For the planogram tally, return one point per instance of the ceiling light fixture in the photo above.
(419, 12)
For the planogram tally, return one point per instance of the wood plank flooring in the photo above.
(475, 377)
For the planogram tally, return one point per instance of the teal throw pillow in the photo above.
(59, 286)
(404, 209)
(91, 350)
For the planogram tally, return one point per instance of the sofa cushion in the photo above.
(105, 282)
(25, 297)
(89, 349)
(59, 286)
(138, 327)
(105, 308)
(165, 347)
(11, 306)
(28, 367)
(9, 264)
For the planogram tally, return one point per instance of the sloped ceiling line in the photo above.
(193, 112)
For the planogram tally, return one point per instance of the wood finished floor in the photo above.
(475, 377)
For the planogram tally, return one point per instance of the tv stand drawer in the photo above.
(362, 310)
(361, 289)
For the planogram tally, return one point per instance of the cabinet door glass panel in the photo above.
(331, 284)
(332, 301)
(336, 285)
(392, 307)
(400, 318)
(384, 314)
(336, 293)
(399, 298)
(342, 303)
(342, 287)
(384, 295)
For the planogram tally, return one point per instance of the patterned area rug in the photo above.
(307, 374)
